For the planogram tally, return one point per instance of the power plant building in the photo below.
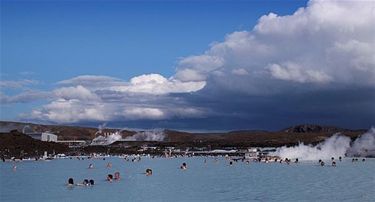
(46, 137)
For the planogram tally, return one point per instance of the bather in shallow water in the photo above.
(148, 172)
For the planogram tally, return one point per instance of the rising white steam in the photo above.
(102, 140)
(335, 146)
(364, 145)
(151, 135)
(100, 128)
(148, 135)
(106, 139)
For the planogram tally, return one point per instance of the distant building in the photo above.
(46, 137)
(251, 153)
(74, 143)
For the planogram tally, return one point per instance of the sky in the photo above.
(188, 65)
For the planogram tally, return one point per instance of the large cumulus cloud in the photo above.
(103, 98)
(328, 42)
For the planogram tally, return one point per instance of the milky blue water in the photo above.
(213, 181)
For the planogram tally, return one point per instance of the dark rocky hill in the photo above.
(19, 145)
(63, 132)
(290, 136)
(309, 128)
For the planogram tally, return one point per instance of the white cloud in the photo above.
(17, 84)
(24, 97)
(326, 42)
(143, 97)
(194, 68)
(240, 72)
(79, 92)
(292, 72)
(92, 81)
(144, 113)
(69, 111)
(158, 85)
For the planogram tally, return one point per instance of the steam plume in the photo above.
(335, 146)
(151, 135)
(364, 145)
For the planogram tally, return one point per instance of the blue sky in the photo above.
(61, 39)
(47, 42)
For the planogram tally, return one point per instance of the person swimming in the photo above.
(70, 182)
(91, 182)
(109, 177)
(363, 160)
(183, 166)
(340, 158)
(296, 161)
(333, 163)
(109, 165)
(84, 183)
(148, 172)
(322, 163)
(117, 176)
(91, 166)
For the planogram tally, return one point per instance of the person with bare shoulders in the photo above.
(148, 172)
(183, 166)
(109, 177)
(117, 176)
(70, 182)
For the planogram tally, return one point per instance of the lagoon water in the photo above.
(212, 181)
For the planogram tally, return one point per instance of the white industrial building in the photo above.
(47, 137)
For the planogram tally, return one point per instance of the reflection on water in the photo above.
(211, 181)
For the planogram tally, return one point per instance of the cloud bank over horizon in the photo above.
(316, 65)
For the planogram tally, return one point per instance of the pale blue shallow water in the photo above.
(45, 181)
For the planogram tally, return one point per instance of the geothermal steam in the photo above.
(334, 146)
(152, 135)
(364, 145)
(101, 140)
